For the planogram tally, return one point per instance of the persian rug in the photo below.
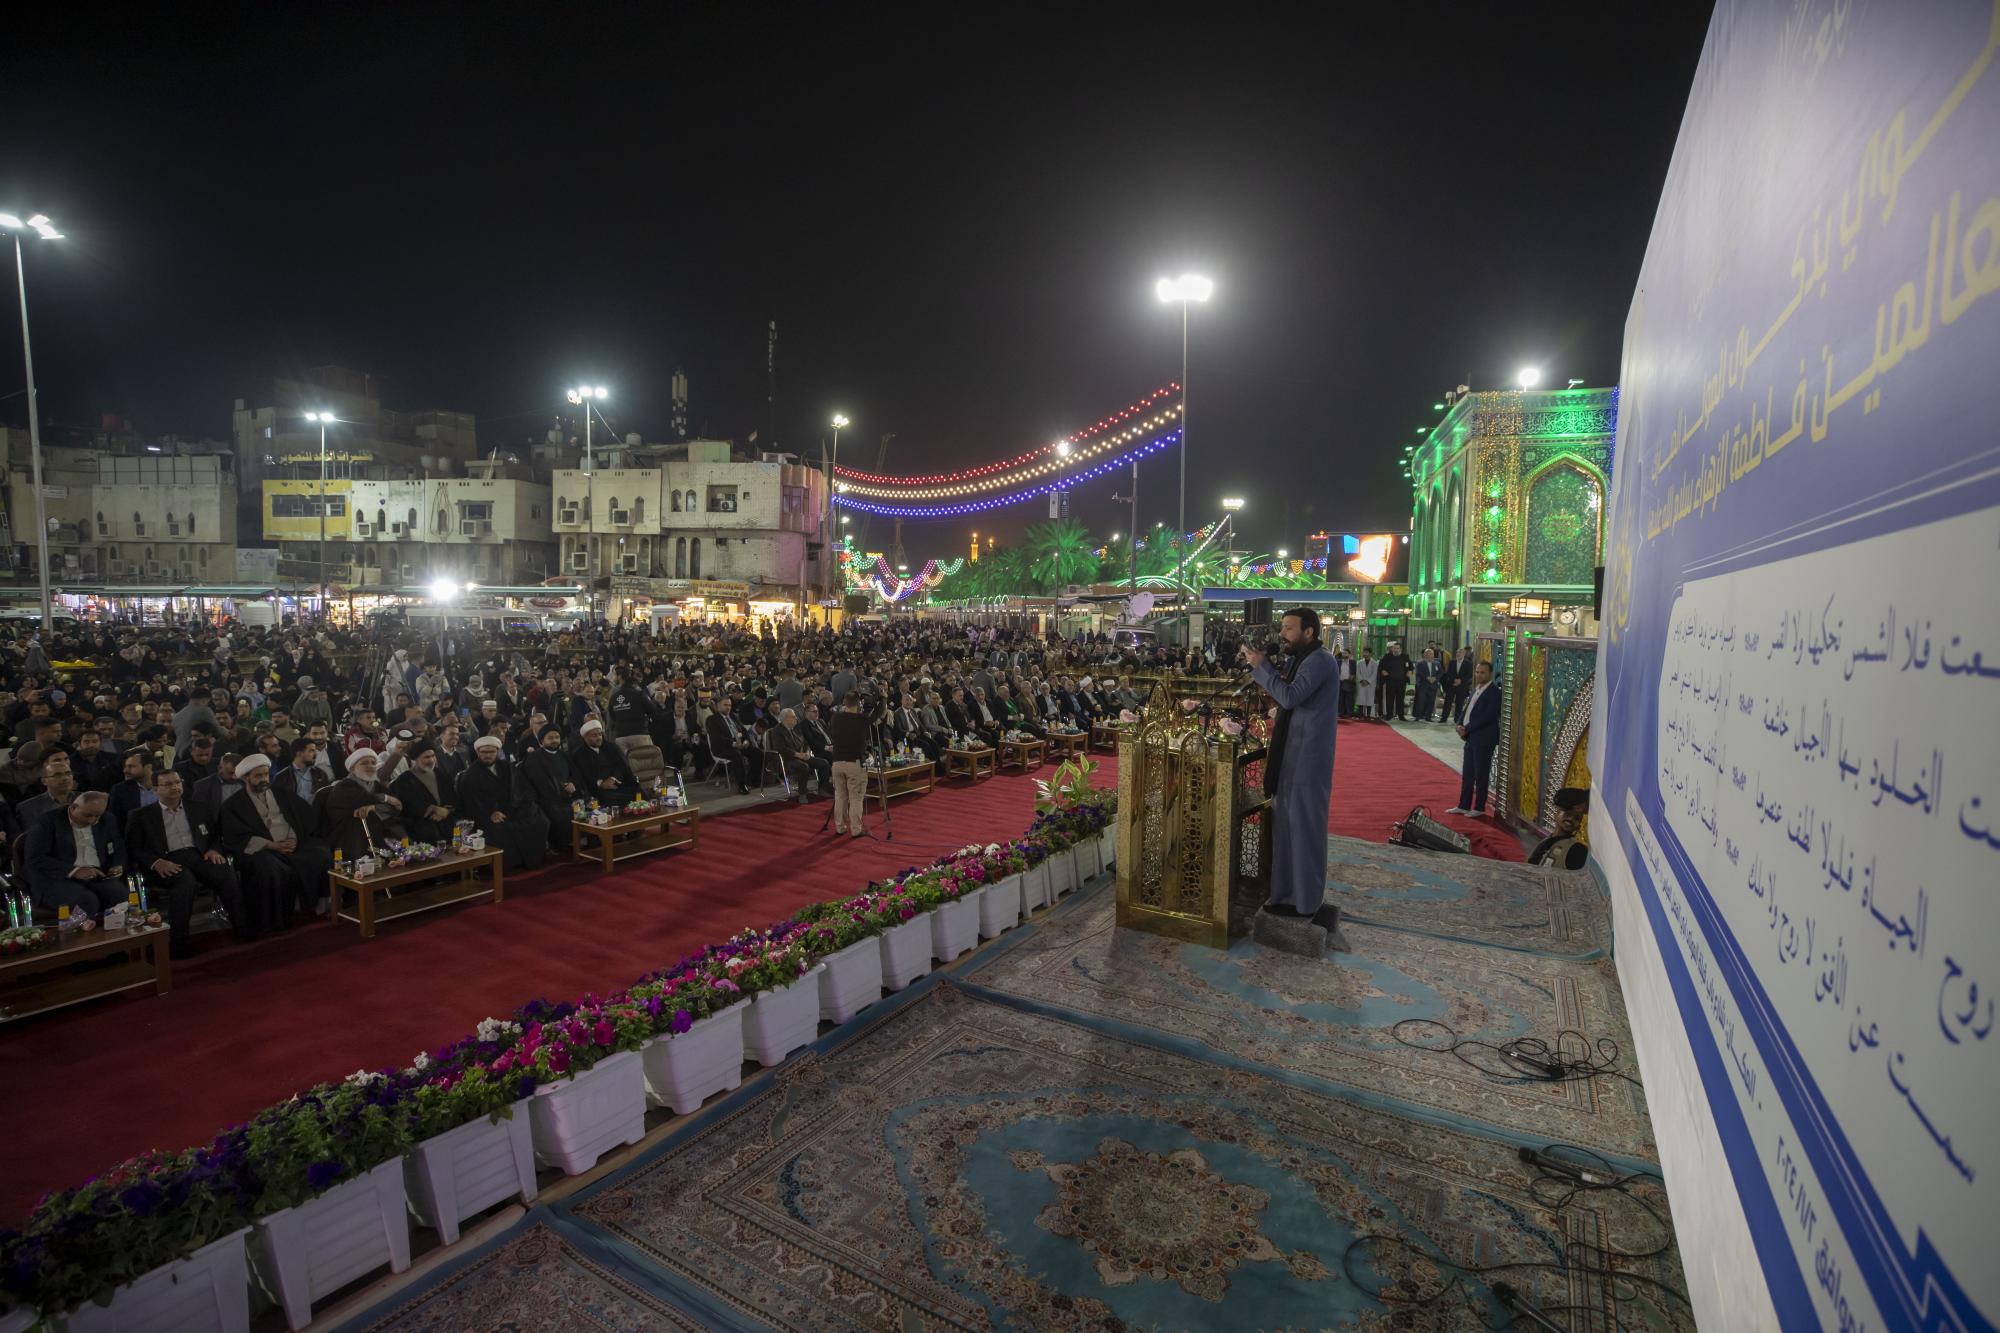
(1332, 1019)
(956, 1162)
(532, 1278)
(1467, 898)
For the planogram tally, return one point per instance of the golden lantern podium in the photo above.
(1194, 861)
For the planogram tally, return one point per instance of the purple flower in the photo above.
(322, 1174)
(683, 1020)
(654, 1004)
(142, 1198)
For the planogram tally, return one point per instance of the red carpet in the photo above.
(1378, 775)
(249, 1024)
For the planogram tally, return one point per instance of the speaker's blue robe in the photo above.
(1305, 778)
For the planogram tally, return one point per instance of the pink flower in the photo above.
(604, 1034)
(559, 1059)
(504, 1062)
(908, 913)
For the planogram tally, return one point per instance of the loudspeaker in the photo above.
(855, 604)
(1256, 614)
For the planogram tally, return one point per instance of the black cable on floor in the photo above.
(1527, 1059)
(1564, 1172)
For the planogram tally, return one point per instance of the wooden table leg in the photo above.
(163, 967)
(499, 878)
(604, 843)
(694, 830)
(366, 911)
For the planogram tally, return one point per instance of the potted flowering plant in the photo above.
(156, 1242)
(1000, 905)
(959, 889)
(697, 1044)
(472, 1150)
(905, 939)
(1035, 891)
(592, 1093)
(777, 969)
(1054, 834)
(841, 937)
(326, 1177)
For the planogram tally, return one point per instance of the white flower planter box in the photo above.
(1107, 846)
(1062, 874)
(462, 1171)
(955, 925)
(782, 1020)
(851, 980)
(319, 1246)
(1034, 888)
(210, 1289)
(906, 951)
(1000, 909)
(1087, 864)
(578, 1120)
(682, 1071)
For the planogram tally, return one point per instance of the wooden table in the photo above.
(24, 990)
(1027, 754)
(452, 878)
(967, 763)
(899, 780)
(1104, 734)
(636, 835)
(1064, 744)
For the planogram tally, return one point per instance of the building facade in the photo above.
(1509, 502)
(664, 523)
(491, 529)
(119, 510)
(273, 440)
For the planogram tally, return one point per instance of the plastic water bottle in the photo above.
(65, 923)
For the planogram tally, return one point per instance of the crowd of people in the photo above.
(1431, 687)
(240, 762)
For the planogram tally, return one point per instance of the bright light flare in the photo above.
(839, 421)
(1187, 287)
(444, 590)
(1529, 377)
(1232, 502)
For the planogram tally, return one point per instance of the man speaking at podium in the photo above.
(1298, 772)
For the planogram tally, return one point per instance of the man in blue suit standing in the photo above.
(1481, 730)
(75, 859)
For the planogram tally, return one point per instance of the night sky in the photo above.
(956, 224)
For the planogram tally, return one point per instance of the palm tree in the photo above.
(1059, 553)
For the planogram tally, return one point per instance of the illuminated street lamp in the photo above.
(39, 224)
(322, 419)
(1529, 377)
(1186, 289)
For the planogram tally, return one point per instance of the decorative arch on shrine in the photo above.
(1454, 558)
(1564, 527)
(1436, 556)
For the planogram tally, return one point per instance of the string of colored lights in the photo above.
(1139, 408)
(886, 582)
(1062, 466)
(1152, 446)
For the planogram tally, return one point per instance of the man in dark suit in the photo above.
(1428, 673)
(681, 742)
(75, 859)
(137, 788)
(1481, 730)
(179, 849)
(728, 743)
(270, 833)
(906, 723)
(1458, 684)
(1395, 668)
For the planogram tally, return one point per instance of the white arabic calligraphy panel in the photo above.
(1826, 762)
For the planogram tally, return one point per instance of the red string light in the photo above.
(1107, 423)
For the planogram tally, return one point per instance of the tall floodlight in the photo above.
(1187, 289)
(39, 224)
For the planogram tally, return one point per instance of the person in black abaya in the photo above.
(512, 827)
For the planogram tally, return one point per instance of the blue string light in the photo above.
(948, 511)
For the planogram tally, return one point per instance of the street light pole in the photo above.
(833, 461)
(1186, 289)
(42, 227)
(324, 419)
(583, 395)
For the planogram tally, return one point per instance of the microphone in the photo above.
(1522, 1308)
(1272, 648)
(1557, 1166)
